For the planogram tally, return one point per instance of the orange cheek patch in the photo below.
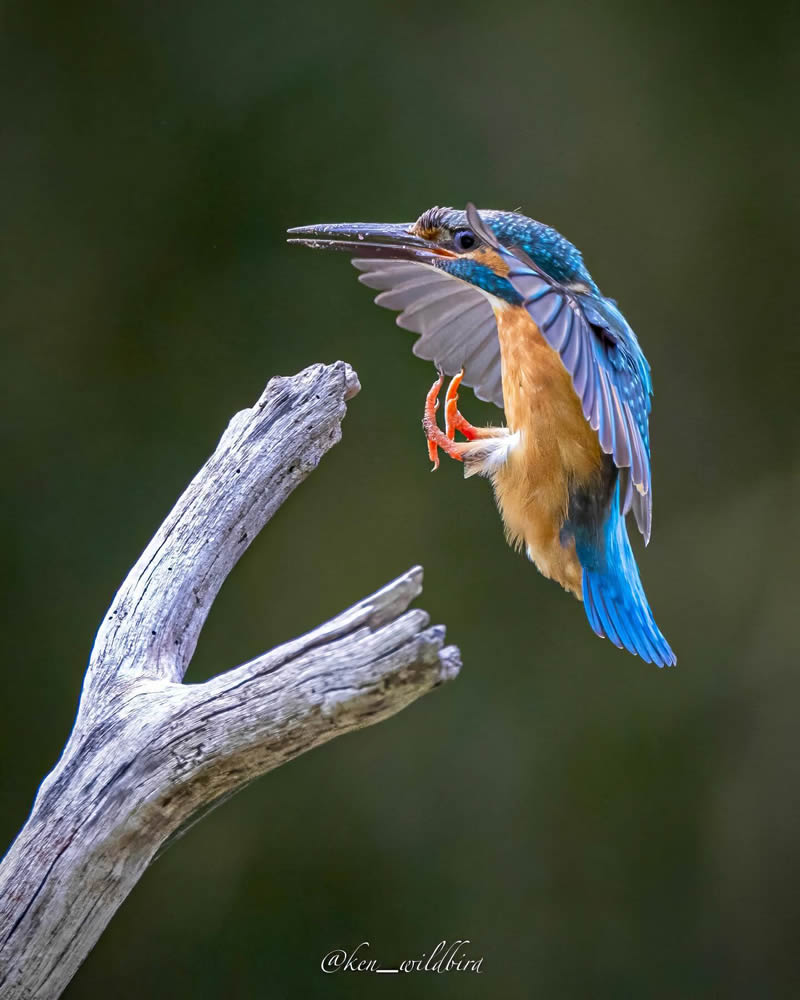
(491, 259)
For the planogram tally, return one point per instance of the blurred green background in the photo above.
(596, 827)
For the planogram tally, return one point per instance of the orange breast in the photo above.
(557, 447)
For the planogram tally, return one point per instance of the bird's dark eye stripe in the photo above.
(464, 240)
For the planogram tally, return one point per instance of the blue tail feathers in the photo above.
(613, 595)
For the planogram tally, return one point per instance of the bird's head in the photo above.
(461, 243)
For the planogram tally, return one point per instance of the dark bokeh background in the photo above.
(595, 826)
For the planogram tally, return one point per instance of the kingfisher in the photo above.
(505, 305)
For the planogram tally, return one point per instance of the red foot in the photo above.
(454, 421)
(429, 424)
(436, 437)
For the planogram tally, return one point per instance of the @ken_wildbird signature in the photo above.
(445, 957)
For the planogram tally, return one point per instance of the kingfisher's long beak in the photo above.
(369, 239)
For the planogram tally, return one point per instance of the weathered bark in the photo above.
(149, 755)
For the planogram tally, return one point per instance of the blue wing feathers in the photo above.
(610, 374)
(621, 432)
(571, 352)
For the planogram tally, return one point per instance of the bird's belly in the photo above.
(557, 449)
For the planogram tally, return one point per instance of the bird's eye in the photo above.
(464, 240)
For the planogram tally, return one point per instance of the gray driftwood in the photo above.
(148, 755)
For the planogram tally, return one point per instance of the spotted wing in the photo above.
(609, 371)
(455, 321)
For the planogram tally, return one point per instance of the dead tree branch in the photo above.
(148, 755)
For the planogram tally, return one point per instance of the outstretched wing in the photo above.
(609, 371)
(455, 321)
